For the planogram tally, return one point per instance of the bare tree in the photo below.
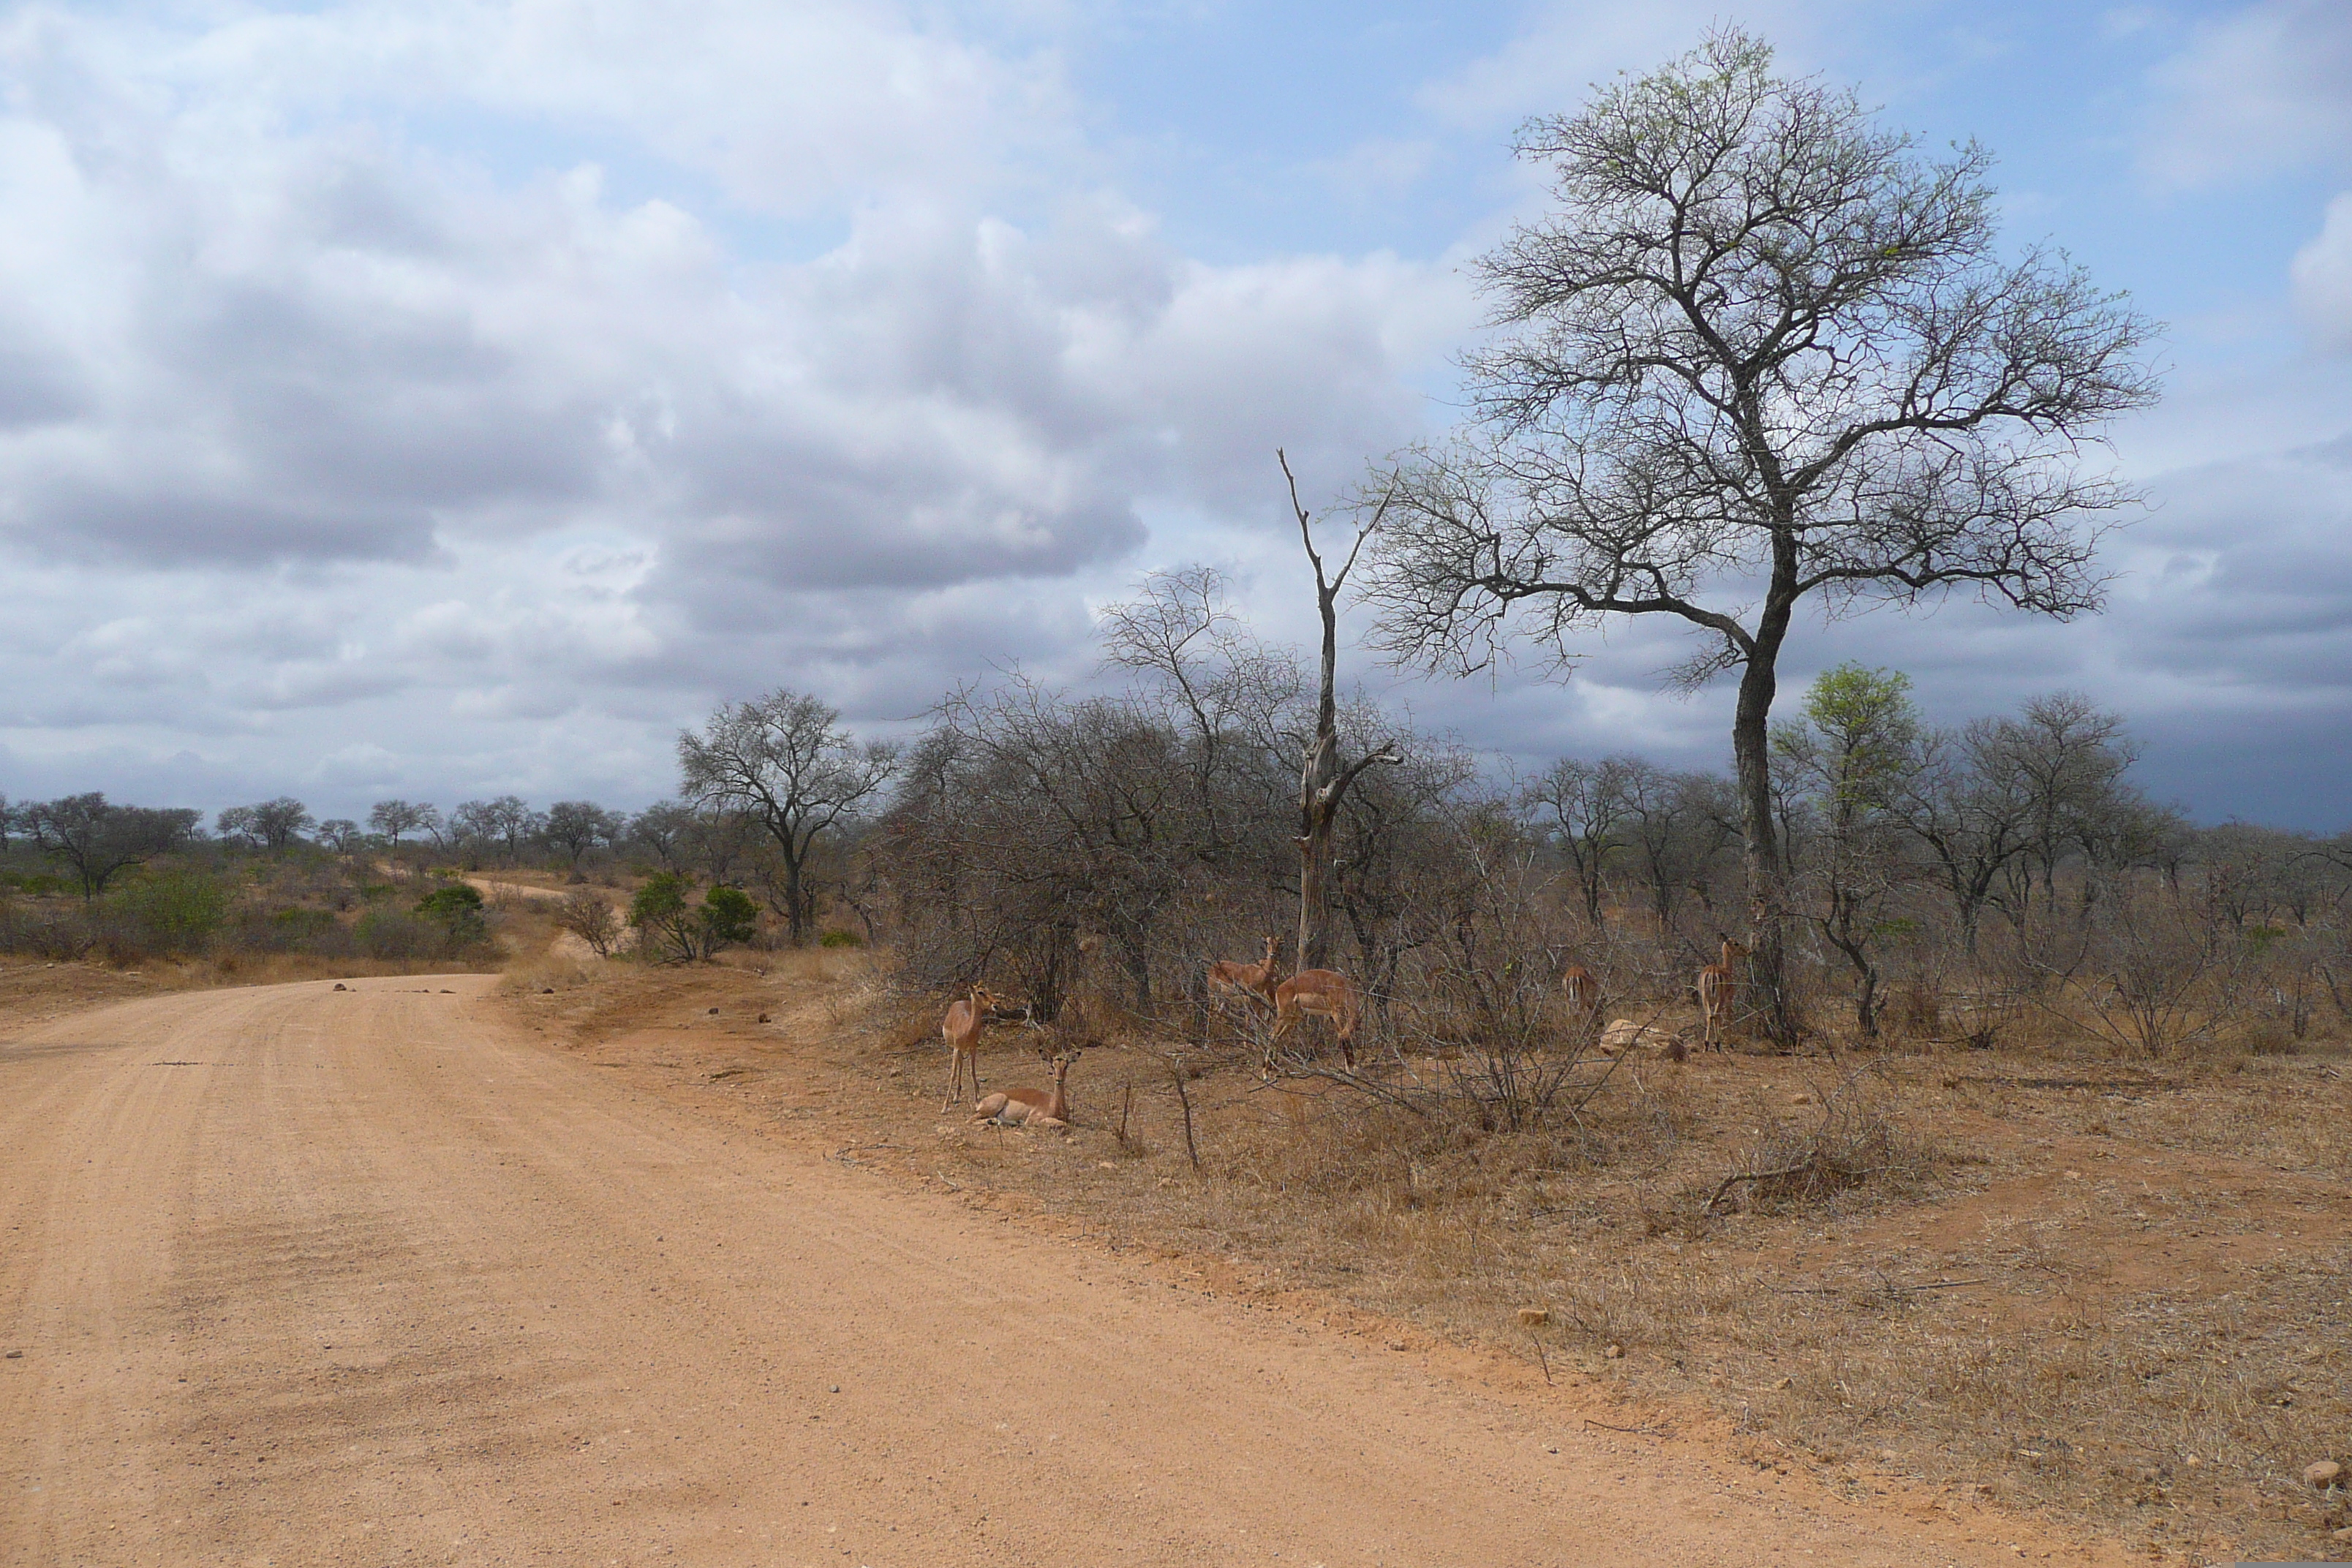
(1586, 803)
(282, 821)
(98, 838)
(576, 827)
(1323, 775)
(514, 822)
(1969, 804)
(784, 759)
(340, 834)
(662, 828)
(394, 818)
(473, 823)
(1231, 693)
(591, 917)
(1674, 829)
(1762, 352)
(268, 824)
(2070, 757)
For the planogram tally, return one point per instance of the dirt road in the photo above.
(309, 1277)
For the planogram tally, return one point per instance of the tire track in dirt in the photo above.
(371, 1279)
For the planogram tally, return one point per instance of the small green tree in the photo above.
(1851, 760)
(456, 908)
(668, 920)
(730, 919)
(662, 918)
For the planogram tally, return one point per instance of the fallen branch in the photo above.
(1889, 1290)
(1807, 1167)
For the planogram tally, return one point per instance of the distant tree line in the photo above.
(1940, 880)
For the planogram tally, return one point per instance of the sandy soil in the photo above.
(296, 1276)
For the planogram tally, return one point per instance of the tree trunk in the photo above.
(1767, 899)
(1322, 780)
(1137, 955)
(796, 911)
(1317, 809)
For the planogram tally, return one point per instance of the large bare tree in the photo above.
(784, 760)
(1762, 352)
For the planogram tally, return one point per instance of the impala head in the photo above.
(984, 999)
(1271, 943)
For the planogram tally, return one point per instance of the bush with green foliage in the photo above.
(177, 910)
(670, 924)
(456, 908)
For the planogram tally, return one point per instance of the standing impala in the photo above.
(961, 1028)
(1582, 991)
(1716, 986)
(1048, 1109)
(1255, 981)
(1327, 994)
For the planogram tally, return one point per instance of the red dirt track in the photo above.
(308, 1277)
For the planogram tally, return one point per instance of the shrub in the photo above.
(665, 921)
(841, 938)
(177, 911)
(456, 908)
(728, 918)
(49, 929)
(590, 917)
(398, 933)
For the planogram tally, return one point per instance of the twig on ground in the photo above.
(1192, 1150)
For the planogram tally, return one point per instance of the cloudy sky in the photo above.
(437, 399)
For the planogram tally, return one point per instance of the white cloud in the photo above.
(2323, 277)
(1568, 45)
(2265, 89)
(421, 378)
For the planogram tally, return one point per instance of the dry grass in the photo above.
(2110, 1294)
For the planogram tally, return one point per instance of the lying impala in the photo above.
(961, 1028)
(1325, 993)
(1048, 1109)
(1253, 981)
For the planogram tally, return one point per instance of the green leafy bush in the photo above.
(456, 908)
(385, 932)
(728, 918)
(669, 924)
(179, 910)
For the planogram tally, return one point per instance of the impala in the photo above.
(1327, 994)
(1716, 987)
(1582, 991)
(1255, 981)
(1048, 1109)
(961, 1028)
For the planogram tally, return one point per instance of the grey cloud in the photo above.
(291, 686)
(80, 519)
(36, 388)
